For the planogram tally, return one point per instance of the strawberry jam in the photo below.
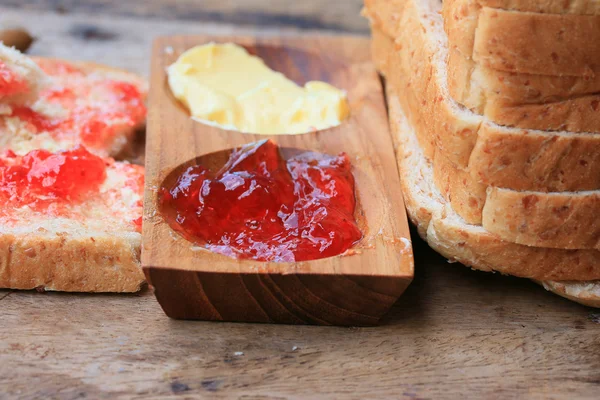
(41, 179)
(263, 207)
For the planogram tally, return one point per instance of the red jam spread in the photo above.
(10, 82)
(41, 179)
(263, 207)
(111, 104)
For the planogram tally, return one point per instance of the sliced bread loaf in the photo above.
(562, 270)
(468, 140)
(415, 68)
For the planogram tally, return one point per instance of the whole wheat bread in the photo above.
(524, 42)
(542, 102)
(571, 273)
(519, 96)
(418, 72)
(467, 139)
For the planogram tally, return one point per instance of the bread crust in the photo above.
(472, 245)
(475, 86)
(547, 219)
(412, 72)
(527, 101)
(461, 17)
(491, 153)
(466, 195)
(61, 261)
(584, 293)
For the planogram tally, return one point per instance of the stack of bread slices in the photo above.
(495, 111)
(70, 215)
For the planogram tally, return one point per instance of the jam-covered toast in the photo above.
(70, 221)
(63, 104)
(70, 216)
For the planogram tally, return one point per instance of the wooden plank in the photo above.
(355, 289)
(97, 37)
(335, 15)
(456, 332)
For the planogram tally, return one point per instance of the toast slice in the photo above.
(574, 274)
(415, 66)
(70, 221)
(80, 104)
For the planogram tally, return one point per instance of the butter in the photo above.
(223, 85)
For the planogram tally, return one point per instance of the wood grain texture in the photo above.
(335, 15)
(456, 333)
(357, 289)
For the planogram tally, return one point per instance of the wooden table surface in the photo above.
(455, 332)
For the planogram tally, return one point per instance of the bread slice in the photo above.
(83, 104)
(557, 219)
(527, 101)
(87, 243)
(475, 86)
(511, 40)
(417, 59)
(472, 245)
(518, 97)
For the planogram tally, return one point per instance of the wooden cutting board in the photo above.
(356, 288)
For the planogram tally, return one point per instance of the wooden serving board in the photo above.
(356, 288)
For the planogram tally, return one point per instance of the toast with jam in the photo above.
(70, 215)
